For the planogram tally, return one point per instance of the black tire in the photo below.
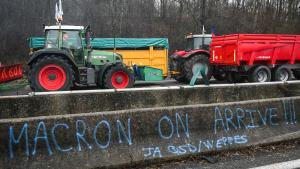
(282, 73)
(35, 69)
(219, 74)
(296, 74)
(181, 79)
(191, 62)
(111, 74)
(260, 74)
(235, 77)
(178, 66)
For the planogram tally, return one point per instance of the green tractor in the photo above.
(68, 60)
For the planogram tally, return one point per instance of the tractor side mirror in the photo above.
(88, 38)
(92, 35)
(89, 32)
(87, 28)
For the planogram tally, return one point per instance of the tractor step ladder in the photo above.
(86, 75)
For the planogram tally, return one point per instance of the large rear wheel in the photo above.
(51, 73)
(118, 77)
(190, 65)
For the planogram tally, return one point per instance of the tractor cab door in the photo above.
(71, 40)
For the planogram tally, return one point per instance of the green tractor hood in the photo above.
(102, 57)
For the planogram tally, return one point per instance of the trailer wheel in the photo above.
(118, 77)
(282, 73)
(51, 73)
(260, 74)
(296, 74)
(234, 77)
(181, 79)
(219, 74)
(190, 64)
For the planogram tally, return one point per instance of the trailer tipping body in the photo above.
(250, 49)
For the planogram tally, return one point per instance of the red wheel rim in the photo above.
(119, 80)
(52, 77)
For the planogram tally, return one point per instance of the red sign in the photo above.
(8, 73)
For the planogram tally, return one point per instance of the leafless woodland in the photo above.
(172, 19)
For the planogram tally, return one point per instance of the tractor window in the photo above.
(52, 39)
(68, 39)
(71, 40)
(190, 44)
(202, 43)
(198, 43)
(207, 41)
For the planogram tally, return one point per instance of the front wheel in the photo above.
(118, 77)
(51, 73)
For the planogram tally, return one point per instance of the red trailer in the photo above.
(257, 57)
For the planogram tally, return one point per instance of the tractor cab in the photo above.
(200, 41)
(184, 63)
(66, 37)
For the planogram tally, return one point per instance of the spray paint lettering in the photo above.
(223, 142)
(232, 119)
(83, 141)
(173, 126)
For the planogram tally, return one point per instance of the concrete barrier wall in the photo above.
(101, 139)
(44, 104)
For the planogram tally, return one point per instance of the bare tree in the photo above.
(171, 19)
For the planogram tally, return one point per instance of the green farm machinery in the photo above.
(67, 59)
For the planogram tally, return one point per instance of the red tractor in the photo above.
(183, 63)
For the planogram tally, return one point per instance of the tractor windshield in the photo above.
(198, 43)
(67, 39)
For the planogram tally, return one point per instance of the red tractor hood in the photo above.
(180, 53)
(185, 54)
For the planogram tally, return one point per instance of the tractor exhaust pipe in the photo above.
(88, 45)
